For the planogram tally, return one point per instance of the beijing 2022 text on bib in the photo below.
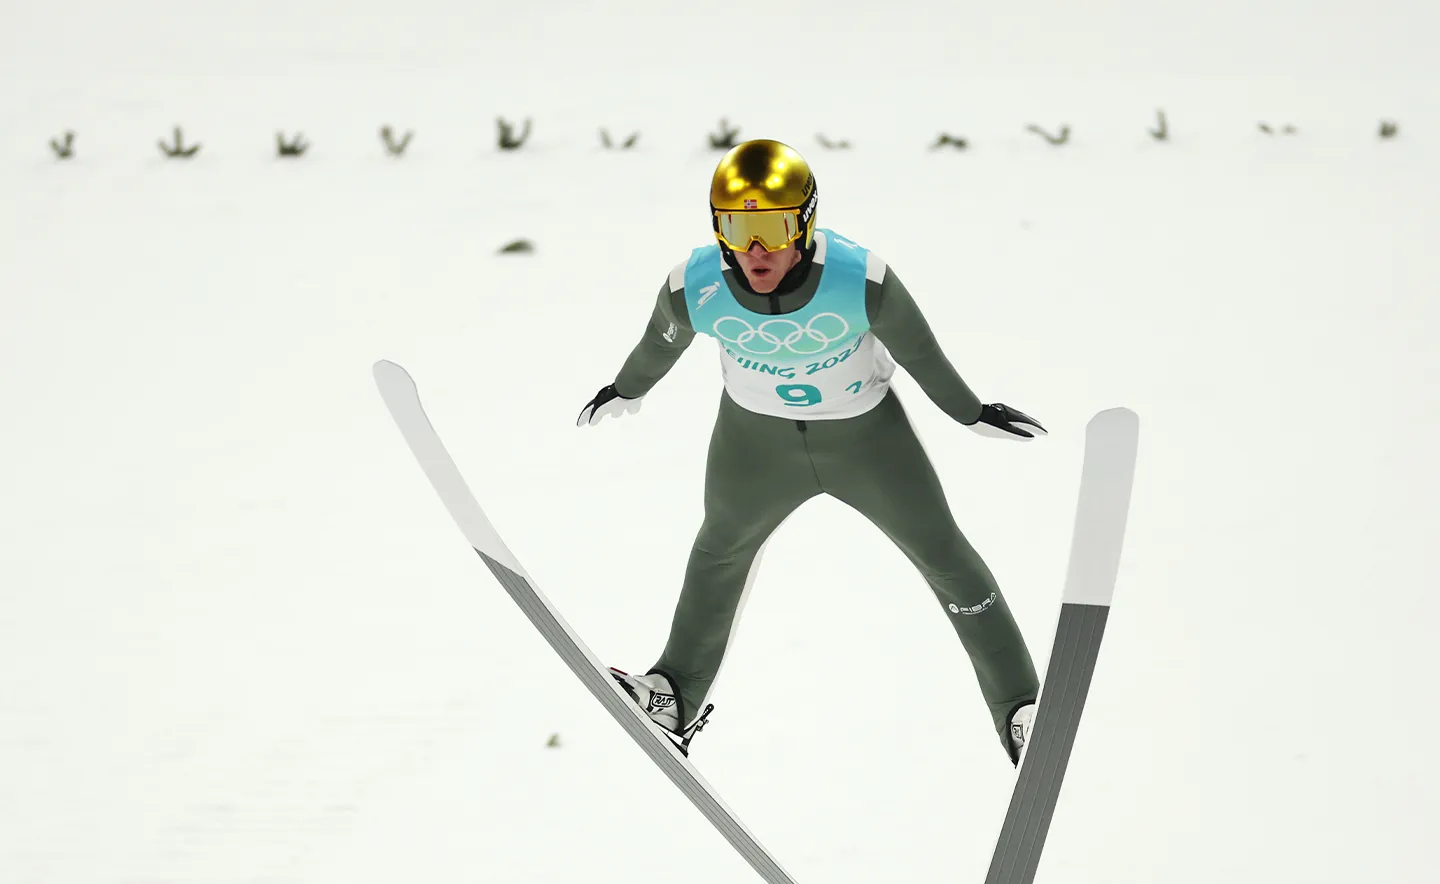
(818, 363)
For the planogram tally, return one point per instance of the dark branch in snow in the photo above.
(725, 138)
(64, 148)
(1162, 131)
(393, 147)
(624, 145)
(1061, 138)
(293, 148)
(508, 139)
(178, 150)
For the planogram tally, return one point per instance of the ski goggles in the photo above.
(773, 230)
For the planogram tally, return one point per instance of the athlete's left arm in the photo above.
(898, 323)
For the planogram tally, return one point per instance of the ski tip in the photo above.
(385, 370)
(1115, 417)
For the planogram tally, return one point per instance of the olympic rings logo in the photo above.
(820, 332)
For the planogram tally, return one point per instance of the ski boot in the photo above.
(657, 697)
(1018, 728)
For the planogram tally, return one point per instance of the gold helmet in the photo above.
(763, 191)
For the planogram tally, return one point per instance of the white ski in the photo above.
(1106, 479)
(403, 400)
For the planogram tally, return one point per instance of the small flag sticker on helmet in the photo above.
(751, 204)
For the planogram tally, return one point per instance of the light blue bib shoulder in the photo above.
(817, 363)
(834, 319)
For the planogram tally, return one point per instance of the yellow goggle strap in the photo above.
(774, 230)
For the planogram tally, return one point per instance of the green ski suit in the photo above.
(872, 462)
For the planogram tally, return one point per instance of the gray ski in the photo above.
(1107, 476)
(403, 401)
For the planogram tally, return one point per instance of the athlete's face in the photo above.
(763, 269)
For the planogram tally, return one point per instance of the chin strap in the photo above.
(791, 281)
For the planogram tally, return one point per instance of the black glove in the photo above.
(607, 403)
(1003, 422)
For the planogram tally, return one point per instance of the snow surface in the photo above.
(242, 643)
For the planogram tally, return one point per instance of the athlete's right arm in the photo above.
(666, 336)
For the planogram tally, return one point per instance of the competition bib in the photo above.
(820, 362)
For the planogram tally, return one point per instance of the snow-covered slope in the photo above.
(240, 641)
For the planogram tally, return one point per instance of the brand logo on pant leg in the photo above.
(974, 609)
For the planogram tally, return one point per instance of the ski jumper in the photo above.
(811, 388)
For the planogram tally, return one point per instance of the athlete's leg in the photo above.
(876, 464)
(756, 474)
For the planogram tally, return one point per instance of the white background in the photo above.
(242, 643)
